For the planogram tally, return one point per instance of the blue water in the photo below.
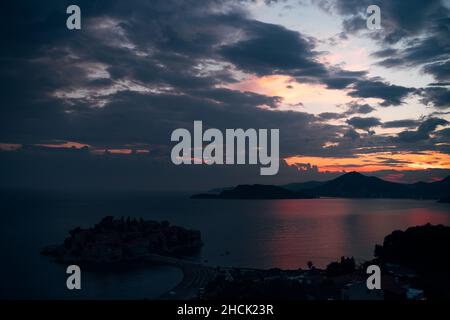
(262, 234)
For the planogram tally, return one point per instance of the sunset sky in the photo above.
(95, 107)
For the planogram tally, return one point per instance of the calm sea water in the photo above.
(262, 234)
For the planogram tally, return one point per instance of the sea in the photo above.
(241, 233)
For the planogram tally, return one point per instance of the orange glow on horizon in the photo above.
(376, 161)
(66, 144)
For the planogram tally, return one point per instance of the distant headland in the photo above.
(349, 185)
(256, 191)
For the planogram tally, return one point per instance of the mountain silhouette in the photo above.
(356, 185)
(256, 191)
(349, 185)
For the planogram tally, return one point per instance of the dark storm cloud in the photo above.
(352, 109)
(440, 70)
(231, 97)
(166, 28)
(338, 82)
(140, 69)
(151, 118)
(354, 24)
(150, 53)
(406, 123)
(439, 84)
(352, 134)
(423, 131)
(390, 93)
(389, 52)
(421, 26)
(357, 108)
(438, 97)
(272, 49)
(337, 78)
(330, 115)
(364, 123)
(49, 59)
(40, 24)
(433, 46)
(399, 18)
(443, 135)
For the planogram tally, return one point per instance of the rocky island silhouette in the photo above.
(123, 240)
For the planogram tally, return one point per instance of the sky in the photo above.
(94, 108)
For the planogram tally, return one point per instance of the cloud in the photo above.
(113, 84)
(421, 27)
(423, 131)
(388, 52)
(330, 115)
(270, 49)
(434, 46)
(440, 70)
(140, 69)
(356, 108)
(364, 123)
(444, 132)
(438, 97)
(352, 134)
(338, 78)
(352, 109)
(400, 19)
(374, 88)
(405, 123)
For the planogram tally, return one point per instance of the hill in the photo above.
(356, 185)
(348, 185)
(256, 191)
(422, 249)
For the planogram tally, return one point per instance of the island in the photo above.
(124, 240)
